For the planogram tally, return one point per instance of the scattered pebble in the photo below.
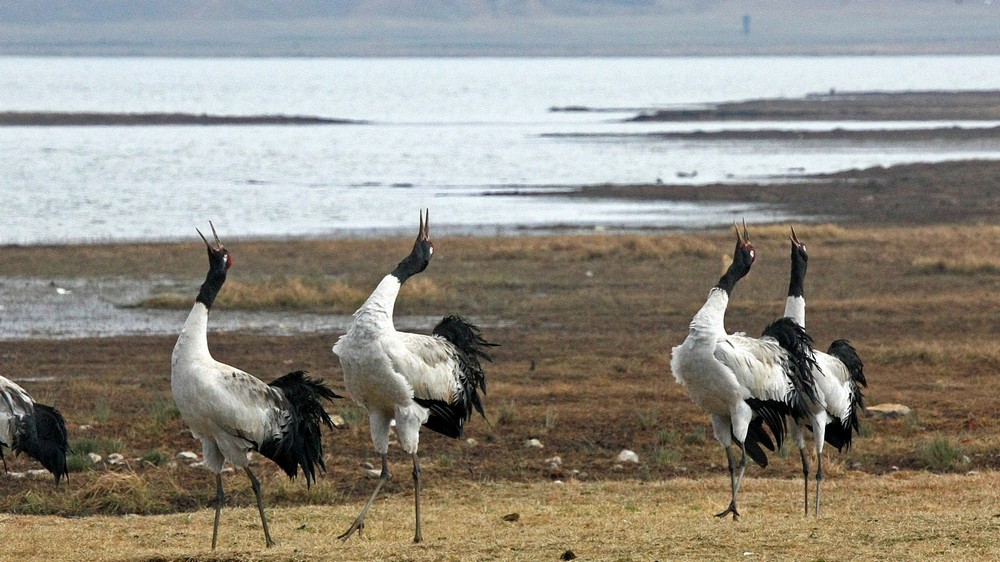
(372, 473)
(116, 458)
(533, 444)
(94, 457)
(471, 442)
(554, 462)
(16, 474)
(367, 465)
(86, 427)
(187, 456)
(38, 474)
(628, 456)
(888, 411)
(198, 464)
(338, 420)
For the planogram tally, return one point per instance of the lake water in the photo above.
(440, 134)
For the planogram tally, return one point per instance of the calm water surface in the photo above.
(441, 133)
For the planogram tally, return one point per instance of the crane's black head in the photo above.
(219, 262)
(421, 254)
(800, 259)
(743, 258)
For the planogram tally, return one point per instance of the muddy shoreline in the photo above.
(961, 192)
(849, 106)
(75, 119)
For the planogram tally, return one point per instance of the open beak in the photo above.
(744, 237)
(218, 243)
(794, 238)
(425, 223)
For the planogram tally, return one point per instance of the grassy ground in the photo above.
(905, 516)
(585, 324)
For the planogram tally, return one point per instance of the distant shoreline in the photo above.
(64, 119)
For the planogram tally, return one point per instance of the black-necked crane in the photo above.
(838, 375)
(233, 412)
(409, 380)
(34, 429)
(741, 381)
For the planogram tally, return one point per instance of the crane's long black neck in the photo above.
(410, 266)
(210, 288)
(737, 270)
(796, 284)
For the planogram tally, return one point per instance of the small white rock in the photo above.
(888, 411)
(38, 474)
(16, 474)
(198, 464)
(628, 455)
(187, 456)
(533, 444)
(554, 462)
(227, 469)
(116, 458)
(94, 457)
(86, 427)
(338, 420)
(471, 442)
(367, 465)
(372, 473)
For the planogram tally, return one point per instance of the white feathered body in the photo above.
(230, 411)
(721, 371)
(15, 404)
(834, 387)
(385, 369)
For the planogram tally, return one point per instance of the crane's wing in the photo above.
(430, 364)
(15, 404)
(244, 406)
(14, 400)
(760, 366)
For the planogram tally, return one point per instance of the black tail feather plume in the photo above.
(769, 412)
(449, 419)
(756, 437)
(798, 344)
(301, 444)
(42, 436)
(839, 431)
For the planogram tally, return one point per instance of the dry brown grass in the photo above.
(898, 516)
(585, 324)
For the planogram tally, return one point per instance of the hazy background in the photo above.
(498, 27)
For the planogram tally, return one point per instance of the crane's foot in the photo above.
(358, 526)
(730, 509)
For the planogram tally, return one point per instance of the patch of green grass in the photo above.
(156, 457)
(648, 418)
(695, 437)
(941, 455)
(354, 416)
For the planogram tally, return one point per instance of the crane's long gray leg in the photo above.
(734, 485)
(220, 497)
(260, 506)
(805, 477)
(359, 523)
(819, 476)
(819, 433)
(417, 537)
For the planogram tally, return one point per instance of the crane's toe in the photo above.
(730, 509)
